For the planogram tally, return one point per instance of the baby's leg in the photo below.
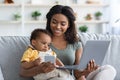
(45, 76)
(65, 74)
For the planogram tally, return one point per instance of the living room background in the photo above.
(10, 26)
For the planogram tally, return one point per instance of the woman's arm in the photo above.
(30, 72)
(42, 68)
(78, 55)
(30, 64)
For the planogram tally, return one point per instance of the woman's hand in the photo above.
(47, 67)
(44, 67)
(91, 66)
(37, 61)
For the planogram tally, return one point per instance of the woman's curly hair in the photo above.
(71, 33)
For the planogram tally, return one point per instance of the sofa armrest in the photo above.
(1, 75)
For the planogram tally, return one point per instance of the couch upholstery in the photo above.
(1, 75)
(12, 48)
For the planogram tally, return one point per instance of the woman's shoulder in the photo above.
(77, 44)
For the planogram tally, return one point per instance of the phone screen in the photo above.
(50, 59)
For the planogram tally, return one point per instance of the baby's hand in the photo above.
(37, 61)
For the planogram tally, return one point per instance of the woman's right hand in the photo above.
(37, 61)
(46, 67)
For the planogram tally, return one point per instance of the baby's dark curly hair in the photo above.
(36, 33)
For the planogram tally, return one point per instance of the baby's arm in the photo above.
(31, 64)
(59, 62)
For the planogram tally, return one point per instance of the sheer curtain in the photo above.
(115, 16)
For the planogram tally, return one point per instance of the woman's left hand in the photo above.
(91, 66)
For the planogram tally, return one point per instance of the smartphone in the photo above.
(49, 59)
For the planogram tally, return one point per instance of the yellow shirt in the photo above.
(31, 54)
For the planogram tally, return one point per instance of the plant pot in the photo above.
(97, 18)
(36, 18)
(17, 19)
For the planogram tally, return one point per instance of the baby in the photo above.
(35, 54)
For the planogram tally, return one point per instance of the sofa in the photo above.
(12, 48)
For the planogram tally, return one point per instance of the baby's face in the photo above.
(42, 43)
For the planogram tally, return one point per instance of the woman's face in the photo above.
(59, 24)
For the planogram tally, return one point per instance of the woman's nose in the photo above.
(58, 26)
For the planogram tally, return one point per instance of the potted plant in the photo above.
(97, 15)
(83, 28)
(35, 15)
(88, 17)
(17, 16)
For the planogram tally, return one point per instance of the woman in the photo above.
(65, 42)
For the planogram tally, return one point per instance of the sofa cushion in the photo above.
(1, 75)
(11, 51)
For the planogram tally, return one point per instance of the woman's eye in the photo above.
(54, 22)
(63, 24)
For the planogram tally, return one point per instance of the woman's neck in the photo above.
(59, 42)
(60, 38)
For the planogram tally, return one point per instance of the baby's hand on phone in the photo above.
(37, 61)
